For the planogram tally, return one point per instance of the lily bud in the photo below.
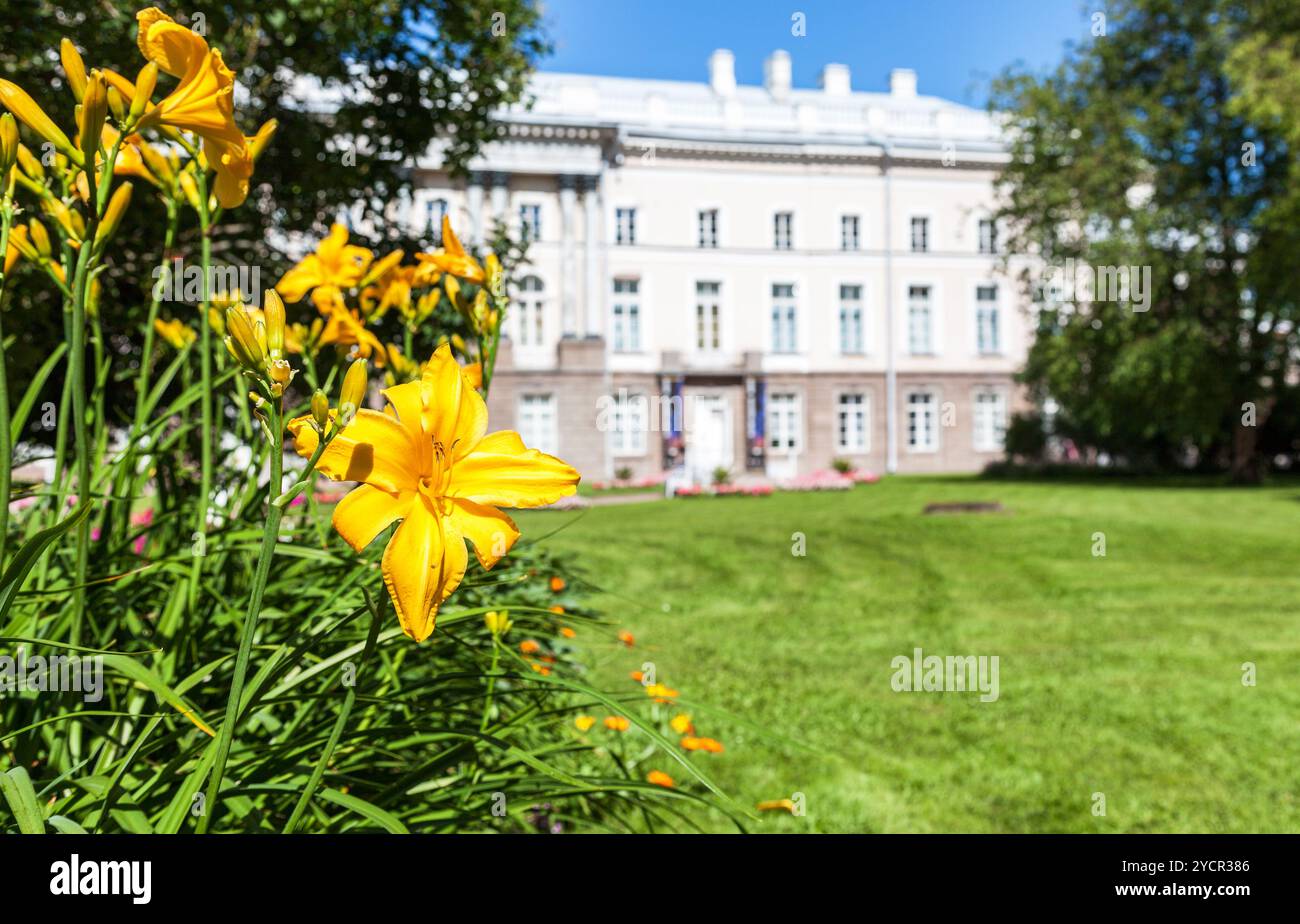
(94, 110)
(353, 392)
(498, 623)
(40, 237)
(145, 82)
(73, 68)
(320, 410)
(8, 143)
(273, 309)
(113, 214)
(16, 100)
(243, 341)
(116, 104)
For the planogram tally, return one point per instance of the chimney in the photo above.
(722, 72)
(902, 83)
(776, 74)
(835, 80)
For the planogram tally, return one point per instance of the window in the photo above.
(783, 230)
(986, 319)
(920, 338)
(990, 421)
(851, 340)
(629, 425)
(434, 209)
(784, 319)
(988, 236)
(537, 423)
(530, 222)
(783, 422)
(920, 235)
(625, 226)
(850, 232)
(531, 311)
(921, 435)
(851, 423)
(708, 228)
(708, 321)
(627, 315)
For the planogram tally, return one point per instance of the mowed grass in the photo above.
(1119, 675)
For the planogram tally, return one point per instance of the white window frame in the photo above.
(845, 244)
(701, 241)
(843, 406)
(627, 239)
(537, 208)
(929, 232)
(720, 318)
(979, 236)
(998, 333)
(932, 347)
(791, 430)
(629, 415)
(531, 308)
(788, 323)
(932, 444)
(539, 432)
(779, 242)
(628, 322)
(994, 441)
(865, 345)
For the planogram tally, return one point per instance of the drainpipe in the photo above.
(891, 372)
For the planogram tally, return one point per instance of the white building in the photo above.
(806, 274)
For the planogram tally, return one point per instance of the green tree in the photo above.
(1140, 150)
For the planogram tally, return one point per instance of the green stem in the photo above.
(205, 359)
(340, 723)
(6, 450)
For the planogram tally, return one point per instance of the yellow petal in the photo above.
(454, 413)
(423, 564)
(406, 407)
(501, 472)
(492, 532)
(373, 448)
(367, 512)
(171, 46)
(296, 283)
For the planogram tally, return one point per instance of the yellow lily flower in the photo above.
(452, 258)
(176, 333)
(203, 101)
(345, 328)
(335, 266)
(427, 462)
(16, 245)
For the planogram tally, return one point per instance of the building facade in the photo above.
(761, 279)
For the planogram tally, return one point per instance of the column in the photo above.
(500, 196)
(474, 204)
(568, 275)
(593, 301)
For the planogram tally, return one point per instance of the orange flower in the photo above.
(661, 693)
(702, 744)
(529, 646)
(584, 722)
(557, 610)
(567, 632)
(617, 723)
(626, 638)
(659, 778)
(637, 676)
(542, 669)
(682, 724)
(557, 584)
(773, 805)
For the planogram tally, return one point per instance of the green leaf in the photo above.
(141, 674)
(21, 796)
(28, 555)
(24, 407)
(385, 820)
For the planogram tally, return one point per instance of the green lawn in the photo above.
(1120, 675)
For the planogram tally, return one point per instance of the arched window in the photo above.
(530, 311)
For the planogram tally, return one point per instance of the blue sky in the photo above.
(955, 46)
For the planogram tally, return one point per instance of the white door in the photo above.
(708, 442)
